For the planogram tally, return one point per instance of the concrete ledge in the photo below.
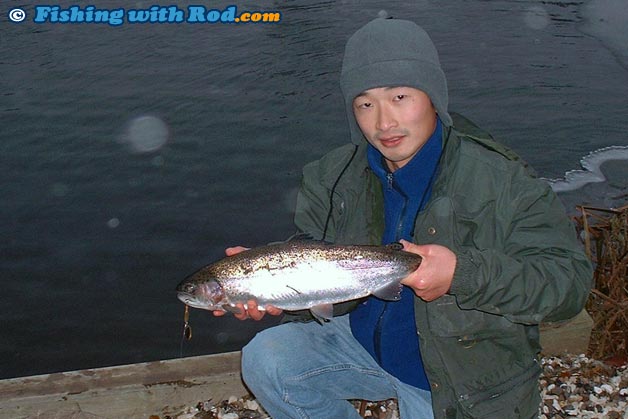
(128, 391)
(167, 387)
(569, 337)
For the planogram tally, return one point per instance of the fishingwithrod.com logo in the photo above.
(154, 14)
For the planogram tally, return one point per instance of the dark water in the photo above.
(95, 236)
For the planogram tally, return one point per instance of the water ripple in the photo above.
(591, 171)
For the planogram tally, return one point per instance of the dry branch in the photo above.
(605, 234)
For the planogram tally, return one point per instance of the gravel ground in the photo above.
(583, 388)
(571, 386)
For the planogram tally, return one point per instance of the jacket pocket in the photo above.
(437, 224)
(517, 397)
(488, 361)
(457, 224)
(447, 319)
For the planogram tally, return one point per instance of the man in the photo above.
(499, 255)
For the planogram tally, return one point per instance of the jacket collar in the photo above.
(360, 167)
(417, 171)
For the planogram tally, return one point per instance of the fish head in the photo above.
(207, 295)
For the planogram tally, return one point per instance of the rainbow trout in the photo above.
(300, 274)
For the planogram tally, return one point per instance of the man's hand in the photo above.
(251, 309)
(433, 277)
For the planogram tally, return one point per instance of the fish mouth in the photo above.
(193, 301)
(207, 295)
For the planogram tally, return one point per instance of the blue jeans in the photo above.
(309, 371)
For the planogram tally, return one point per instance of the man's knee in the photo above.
(262, 357)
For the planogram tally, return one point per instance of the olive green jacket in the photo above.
(518, 263)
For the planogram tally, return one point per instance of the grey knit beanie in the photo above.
(392, 52)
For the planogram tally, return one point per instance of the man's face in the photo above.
(395, 120)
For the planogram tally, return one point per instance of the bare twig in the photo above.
(605, 235)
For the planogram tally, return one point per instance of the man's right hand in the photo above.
(251, 309)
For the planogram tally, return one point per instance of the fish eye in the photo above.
(187, 287)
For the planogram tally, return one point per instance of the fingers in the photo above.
(230, 251)
(434, 276)
(415, 282)
(253, 311)
(273, 311)
(413, 248)
(250, 311)
(218, 313)
(425, 289)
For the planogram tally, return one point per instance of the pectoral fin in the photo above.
(391, 292)
(323, 312)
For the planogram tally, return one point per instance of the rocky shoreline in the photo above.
(584, 388)
(571, 386)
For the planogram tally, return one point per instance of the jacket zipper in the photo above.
(402, 217)
(378, 326)
(378, 335)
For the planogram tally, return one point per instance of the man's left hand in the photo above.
(433, 277)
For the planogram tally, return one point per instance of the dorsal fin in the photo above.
(305, 237)
(395, 246)
(298, 237)
(301, 237)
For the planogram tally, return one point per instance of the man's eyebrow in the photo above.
(364, 93)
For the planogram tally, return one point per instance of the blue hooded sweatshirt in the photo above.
(387, 329)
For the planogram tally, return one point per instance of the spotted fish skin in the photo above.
(300, 274)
